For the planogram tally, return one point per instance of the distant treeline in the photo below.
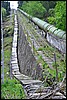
(5, 7)
(53, 12)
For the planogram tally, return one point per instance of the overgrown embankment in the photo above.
(11, 89)
(42, 51)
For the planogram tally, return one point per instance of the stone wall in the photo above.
(27, 61)
(60, 44)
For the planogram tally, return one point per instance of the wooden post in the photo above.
(56, 67)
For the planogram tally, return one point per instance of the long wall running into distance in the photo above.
(54, 36)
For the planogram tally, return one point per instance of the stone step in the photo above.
(48, 61)
(22, 77)
(14, 44)
(16, 73)
(36, 94)
(31, 90)
(14, 55)
(13, 62)
(30, 86)
(14, 65)
(13, 49)
(30, 82)
(13, 59)
(15, 40)
(17, 69)
(36, 86)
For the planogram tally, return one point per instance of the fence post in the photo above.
(56, 67)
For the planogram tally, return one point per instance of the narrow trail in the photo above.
(25, 80)
(34, 89)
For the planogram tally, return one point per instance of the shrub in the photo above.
(34, 8)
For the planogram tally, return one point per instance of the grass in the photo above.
(47, 50)
(41, 49)
(11, 88)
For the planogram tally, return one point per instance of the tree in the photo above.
(52, 4)
(3, 13)
(60, 14)
(20, 3)
(48, 5)
(6, 5)
(34, 8)
(45, 4)
(51, 12)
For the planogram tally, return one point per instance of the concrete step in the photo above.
(13, 62)
(30, 82)
(16, 73)
(22, 77)
(17, 69)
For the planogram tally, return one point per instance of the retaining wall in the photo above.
(27, 61)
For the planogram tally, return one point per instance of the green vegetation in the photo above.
(47, 50)
(48, 4)
(59, 15)
(3, 12)
(11, 88)
(54, 12)
(6, 5)
(34, 8)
